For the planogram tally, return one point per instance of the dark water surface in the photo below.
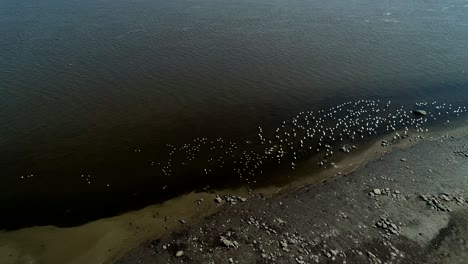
(99, 88)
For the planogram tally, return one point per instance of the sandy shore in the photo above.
(408, 206)
(327, 210)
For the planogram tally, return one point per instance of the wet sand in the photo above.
(98, 241)
(409, 205)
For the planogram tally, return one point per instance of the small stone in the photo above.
(377, 191)
(280, 221)
(445, 197)
(228, 243)
(284, 244)
(300, 261)
(218, 200)
(403, 159)
(179, 253)
(419, 113)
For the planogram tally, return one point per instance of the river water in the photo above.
(97, 96)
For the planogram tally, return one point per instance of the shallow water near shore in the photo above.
(97, 94)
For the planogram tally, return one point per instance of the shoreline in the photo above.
(377, 213)
(106, 240)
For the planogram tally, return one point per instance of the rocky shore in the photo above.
(409, 206)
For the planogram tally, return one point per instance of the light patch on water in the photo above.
(102, 240)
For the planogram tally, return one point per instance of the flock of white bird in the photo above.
(309, 133)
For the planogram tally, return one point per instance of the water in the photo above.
(100, 87)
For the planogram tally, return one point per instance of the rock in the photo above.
(179, 253)
(445, 197)
(182, 221)
(280, 221)
(387, 225)
(403, 159)
(377, 192)
(226, 242)
(218, 200)
(419, 113)
(283, 244)
(300, 261)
